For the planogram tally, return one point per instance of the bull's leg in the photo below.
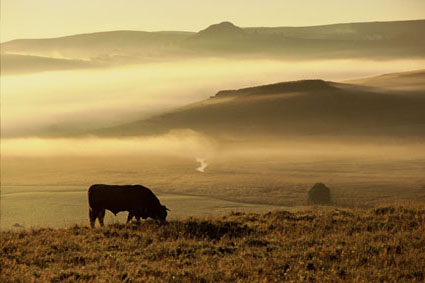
(92, 216)
(100, 216)
(130, 216)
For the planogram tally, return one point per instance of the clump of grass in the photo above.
(381, 244)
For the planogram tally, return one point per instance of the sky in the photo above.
(53, 18)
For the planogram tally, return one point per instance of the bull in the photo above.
(139, 201)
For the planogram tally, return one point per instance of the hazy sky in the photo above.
(50, 18)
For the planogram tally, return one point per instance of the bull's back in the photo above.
(120, 198)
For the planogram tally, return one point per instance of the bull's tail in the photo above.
(93, 211)
(90, 195)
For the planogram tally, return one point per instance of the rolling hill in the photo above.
(292, 109)
(15, 64)
(384, 40)
(96, 45)
(413, 81)
(373, 40)
(101, 49)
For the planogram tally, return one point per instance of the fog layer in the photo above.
(89, 99)
(192, 145)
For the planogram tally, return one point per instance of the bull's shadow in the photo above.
(190, 229)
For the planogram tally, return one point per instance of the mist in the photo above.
(82, 100)
(177, 143)
(195, 146)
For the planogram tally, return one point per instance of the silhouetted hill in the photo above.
(370, 31)
(279, 88)
(373, 40)
(221, 29)
(102, 46)
(219, 40)
(291, 109)
(353, 40)
(12, 63)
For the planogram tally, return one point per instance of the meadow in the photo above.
(385, 244)
(263, 178)
(52, 191)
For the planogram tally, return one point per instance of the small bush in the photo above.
(319, 194)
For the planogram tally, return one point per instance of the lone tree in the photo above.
(319, 194)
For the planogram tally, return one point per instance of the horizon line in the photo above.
(158, 31)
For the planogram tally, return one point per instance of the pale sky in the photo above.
(52, 18)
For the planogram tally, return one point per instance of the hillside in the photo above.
(96, 45)
(384, 40)
(385, 244)
(14, 64)
(373, 40)
(413, 81)
(292, 109)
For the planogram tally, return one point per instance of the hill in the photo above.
(292, 109)
(95, 45)
(384, 40)
(224, 29)
(373, 40)
(326, 245)
(15, 64)
(413, 81)
(101, 48)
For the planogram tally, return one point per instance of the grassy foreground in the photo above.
(383, 244)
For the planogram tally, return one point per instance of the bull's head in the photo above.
(162, 214)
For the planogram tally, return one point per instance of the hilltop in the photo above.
(324, 245)
(278, 88)
(221, 29)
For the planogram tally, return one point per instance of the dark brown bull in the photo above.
(139, 201)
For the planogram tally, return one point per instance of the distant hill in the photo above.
(407, 81)
(278, 88)
(354, 40)
(224, 29)
(373, 40)
(101, 48)
(96, 45)
(12, 63)
(292, 109)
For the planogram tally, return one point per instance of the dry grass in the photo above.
(325, 245)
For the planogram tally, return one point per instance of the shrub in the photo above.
(319, 194)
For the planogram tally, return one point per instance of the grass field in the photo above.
(272, 180)
(385, 244)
